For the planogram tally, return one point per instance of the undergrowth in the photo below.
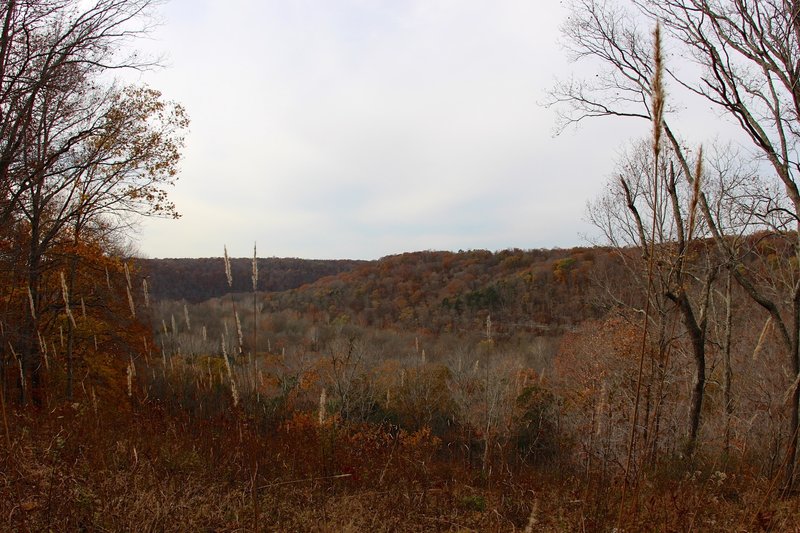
(148, 468)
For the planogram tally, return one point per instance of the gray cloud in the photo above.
(359, 128)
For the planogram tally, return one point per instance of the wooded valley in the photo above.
(647, 382)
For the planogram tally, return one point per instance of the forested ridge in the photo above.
(450, 292)
(433, 290)
(198, 279)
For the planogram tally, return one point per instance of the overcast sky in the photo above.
(360, 128)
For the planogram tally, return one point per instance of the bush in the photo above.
(536, 430)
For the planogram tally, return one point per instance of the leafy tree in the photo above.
(77, 153)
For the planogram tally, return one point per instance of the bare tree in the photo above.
(646, 219)
(747, 52)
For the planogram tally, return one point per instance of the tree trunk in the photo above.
(794, 416)
(697, 339)
(30, 376)
(727, 369)
(73, 269)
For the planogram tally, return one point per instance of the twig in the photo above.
(279, 483)
(460, 527)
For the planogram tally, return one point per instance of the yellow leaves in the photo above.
(135, 150)
(108, 377)
(29, 505)
(210, 364)
(562, 268)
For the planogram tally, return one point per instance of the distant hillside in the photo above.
(539, 291)
(196, 280)
(530, 290)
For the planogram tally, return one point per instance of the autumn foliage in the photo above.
(651, 384)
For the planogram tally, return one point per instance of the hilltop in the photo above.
(195, 280)
(434, 291)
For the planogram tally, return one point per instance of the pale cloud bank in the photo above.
(362, 128)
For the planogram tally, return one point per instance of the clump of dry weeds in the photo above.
(150, 469)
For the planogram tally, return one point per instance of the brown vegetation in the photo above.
(652, 384)
(153, 467)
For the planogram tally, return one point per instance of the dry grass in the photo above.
(148, 470)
